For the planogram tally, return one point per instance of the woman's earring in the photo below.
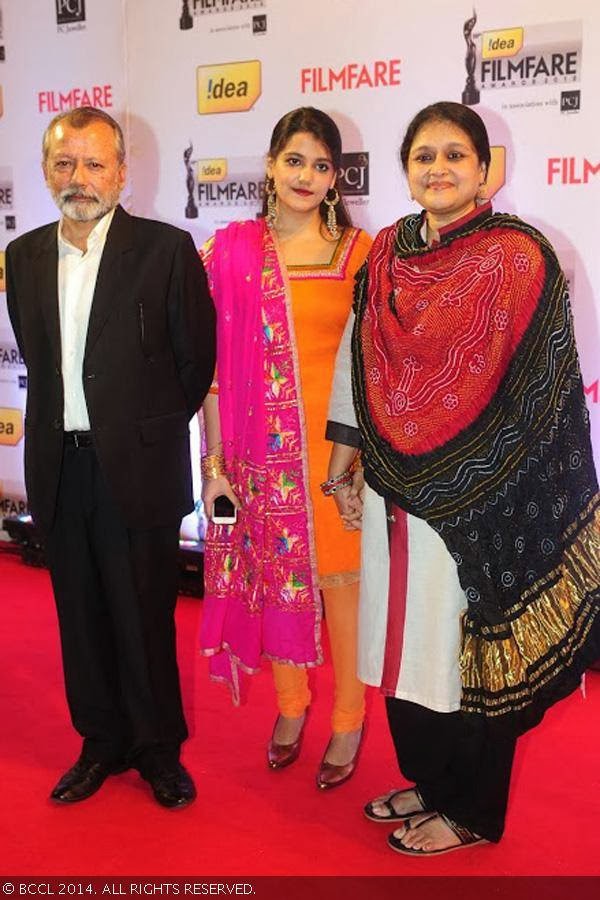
(271, 201)
(332, 225)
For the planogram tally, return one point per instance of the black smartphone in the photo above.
(224, 512)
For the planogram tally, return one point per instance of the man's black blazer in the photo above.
(149, 361)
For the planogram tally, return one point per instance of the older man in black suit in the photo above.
(114, 320)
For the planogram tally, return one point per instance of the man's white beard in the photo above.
(86, 211)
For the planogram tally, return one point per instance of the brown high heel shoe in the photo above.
(330, 775)
(281, 755)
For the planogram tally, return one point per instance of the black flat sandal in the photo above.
(467, 838)
(386, 801)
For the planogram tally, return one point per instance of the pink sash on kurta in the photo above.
(261, 586)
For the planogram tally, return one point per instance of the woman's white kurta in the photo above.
(428, 671)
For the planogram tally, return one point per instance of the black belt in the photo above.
(78, 439)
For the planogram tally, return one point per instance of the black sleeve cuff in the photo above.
(343, 434)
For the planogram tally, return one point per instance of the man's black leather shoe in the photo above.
(172, 788)
(83, 780)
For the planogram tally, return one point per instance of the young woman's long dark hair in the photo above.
(323, 129)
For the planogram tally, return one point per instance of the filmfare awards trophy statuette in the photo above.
(470, 95)
(185, 20)
(191, 210)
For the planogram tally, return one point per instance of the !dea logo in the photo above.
(11, 426)
(228, 87)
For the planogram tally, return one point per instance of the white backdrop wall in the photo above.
(199, 84)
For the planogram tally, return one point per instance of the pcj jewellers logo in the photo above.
(70, 15)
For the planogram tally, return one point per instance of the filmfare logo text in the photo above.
(99, 95)
(531, 56)
(350, 77)
(571, 170)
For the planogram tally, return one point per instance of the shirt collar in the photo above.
(96, 237)
(446, 230)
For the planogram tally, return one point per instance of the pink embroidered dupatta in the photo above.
(261, 586)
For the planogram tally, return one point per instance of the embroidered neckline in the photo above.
(336, 267)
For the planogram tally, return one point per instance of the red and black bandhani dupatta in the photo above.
(470, 403)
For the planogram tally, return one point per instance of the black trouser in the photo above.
(115, 591)
(457, 767)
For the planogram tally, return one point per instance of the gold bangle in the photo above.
(212, 466)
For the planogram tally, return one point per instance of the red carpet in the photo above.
(247, 820)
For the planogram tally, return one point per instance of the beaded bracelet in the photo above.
(213, 465)
(336, 483)
(336, 487)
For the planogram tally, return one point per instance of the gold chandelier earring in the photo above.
(271, 201)
(332, 225)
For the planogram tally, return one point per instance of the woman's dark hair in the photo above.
(323, 129)
(463, 117)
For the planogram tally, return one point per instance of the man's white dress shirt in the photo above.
(77, 274)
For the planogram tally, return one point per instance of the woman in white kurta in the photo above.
(472, 417)
(397, 644)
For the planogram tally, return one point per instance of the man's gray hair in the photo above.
(81, 117)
